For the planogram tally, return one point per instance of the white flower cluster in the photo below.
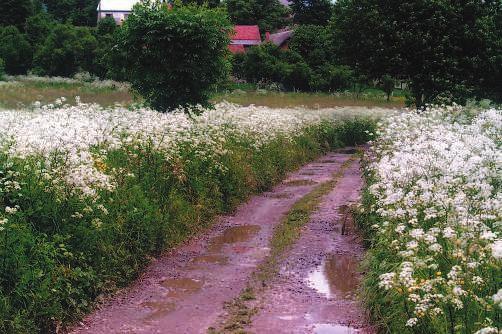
(71, 142)
(438, 176)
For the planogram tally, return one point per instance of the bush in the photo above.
(2, 70)
(15, 51)
(66, 51)
(268, 62)
(174, 57)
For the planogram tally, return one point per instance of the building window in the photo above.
(108, 15)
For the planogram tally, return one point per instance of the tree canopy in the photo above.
(174, 57)
(316, 12)
(444, 48)
(269, 15)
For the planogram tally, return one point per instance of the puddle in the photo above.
(180, 287)
(347, 151)
(280, 195)
(210, 259)
(233, 235)
(334, 329)
(298, 183)
(159, 309)
(335, 277)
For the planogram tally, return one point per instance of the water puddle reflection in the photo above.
(180, 287)
(210, 259)
(336, 276)
(233, 235)
(334, 329)
(159, 309)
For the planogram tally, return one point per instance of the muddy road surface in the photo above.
(185, 290)
(316, 289)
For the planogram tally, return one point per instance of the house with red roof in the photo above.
(244, 37)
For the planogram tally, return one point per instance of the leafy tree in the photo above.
(269, 63)
(269, 15)
(15, 50)
(2, 70)
(314, 44)
(444, 48)
(106, 26)
(66, 51)
(387, 84)
(15, 12)
(316, 12)
(77, 12)
(174, 57)
(38, 27)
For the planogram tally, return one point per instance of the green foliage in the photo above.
(106, 26)
(2, 70)
(269, 63)
(15, 12)
(316, 12)
(174, 57)
(387, 84)
(15, 50)
(58, 254)
(269, 15)
(77, 12)
(447, 50)
(38, 27)
(66, 51)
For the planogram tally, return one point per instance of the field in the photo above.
(432, 213)
(93, 188)
(90, 194)
(22, 92)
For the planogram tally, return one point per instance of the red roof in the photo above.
(236, 48)
(247, 33)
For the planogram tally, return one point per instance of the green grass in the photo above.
(24, 93)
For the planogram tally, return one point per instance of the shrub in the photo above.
(2, 70)
(268, 62)
(15, 51)
(66, 51)
(38, 27)
(174, 57)
(387, 84)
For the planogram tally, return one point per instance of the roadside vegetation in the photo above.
(431, 214)
(90, 194)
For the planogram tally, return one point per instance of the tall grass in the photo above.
(72, 229)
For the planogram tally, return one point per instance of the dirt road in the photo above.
(185, 290)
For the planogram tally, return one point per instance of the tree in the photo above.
(269, 63)
(77, 12)
(174, 57)
(106, 26)
(269, 15)
(444, 48)
(387, 83)
(15, 12)
(15, 51)
(66, 51)
(38, 27)
(316, 12)
(2, 70)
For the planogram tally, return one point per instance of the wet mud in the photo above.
(185, 290)
(316, 290)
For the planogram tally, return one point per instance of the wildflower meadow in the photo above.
(432, 214)
(89, 194)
